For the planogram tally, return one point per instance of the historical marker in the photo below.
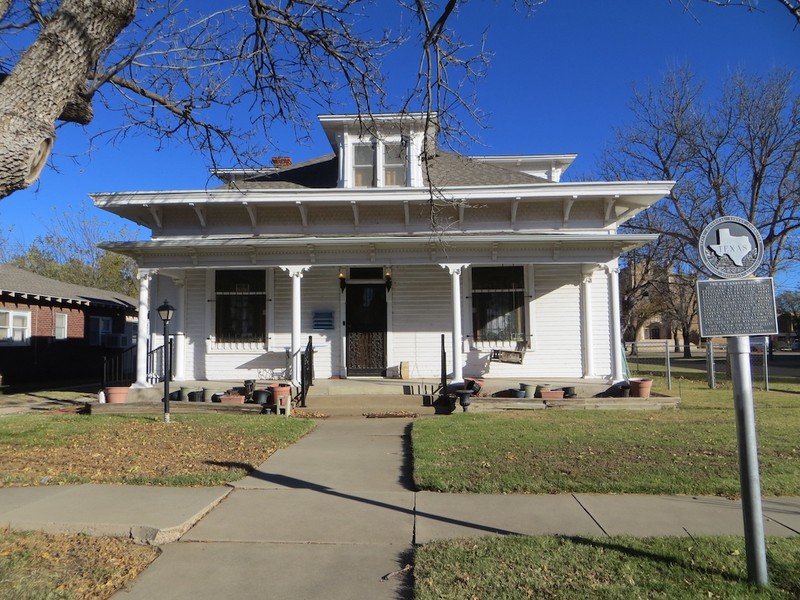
(732, 307)
(737, 307)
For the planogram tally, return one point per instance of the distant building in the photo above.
(55, 330)
(345, 249)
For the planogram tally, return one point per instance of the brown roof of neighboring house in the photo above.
(16, 281)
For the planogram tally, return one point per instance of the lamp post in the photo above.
(165, 311)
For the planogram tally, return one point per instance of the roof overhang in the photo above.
(541, 248)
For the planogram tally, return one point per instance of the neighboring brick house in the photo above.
(53, 330)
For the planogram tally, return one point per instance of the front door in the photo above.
(366, 329)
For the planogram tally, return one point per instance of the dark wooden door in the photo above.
(366, 329)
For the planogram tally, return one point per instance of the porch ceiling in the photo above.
(379, 250)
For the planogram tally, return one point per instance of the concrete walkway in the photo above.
(334, 516)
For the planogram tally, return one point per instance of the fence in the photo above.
(659, 357)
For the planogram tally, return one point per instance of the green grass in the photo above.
(689, 450)
(506, 568)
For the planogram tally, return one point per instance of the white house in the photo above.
(375, 253)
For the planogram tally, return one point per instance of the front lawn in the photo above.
(689, 450)
(513, 568)
(201, 449)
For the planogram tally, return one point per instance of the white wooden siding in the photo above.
(601, 324)
(422, 312)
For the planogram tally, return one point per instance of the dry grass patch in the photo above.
(192, 450)
(36, 565)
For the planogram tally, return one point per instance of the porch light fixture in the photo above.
(387, 278)
(342, 281)
(166, 312)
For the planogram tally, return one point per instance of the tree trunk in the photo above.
(47, 79)
(687, 343)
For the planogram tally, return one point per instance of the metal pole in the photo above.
(669, 369)
(766, 364)
(739, 356)
(166, 375)
(711, 373)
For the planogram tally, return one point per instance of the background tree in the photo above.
(68, 252)
(738, 155)
(788, 303)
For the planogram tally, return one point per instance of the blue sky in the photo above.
(559, 82)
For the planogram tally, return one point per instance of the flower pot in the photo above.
(231, 399)
(552, 394)
(640, 387)
(537, 393)
(116, 395)
(281, 393)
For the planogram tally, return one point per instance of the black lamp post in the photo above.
(165, 311)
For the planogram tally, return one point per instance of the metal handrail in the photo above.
(306, 370)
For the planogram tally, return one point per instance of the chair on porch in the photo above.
(509, 356)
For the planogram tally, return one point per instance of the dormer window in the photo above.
(394, 165)
(363, 165)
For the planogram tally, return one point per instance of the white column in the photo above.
(296, 273)
(586, 322)
(455, 281)
(616, 325)
(143, 327)
(179, 368)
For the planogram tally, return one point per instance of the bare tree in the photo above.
(218, 79)
(793, 6)
(737, 156)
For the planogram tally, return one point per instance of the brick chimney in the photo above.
(281, 162)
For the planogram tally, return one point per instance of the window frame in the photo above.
(401, 166)
(366, 167)
(514, 295)
(99, 327)
(64, 327)
(11, 328)
(225, 302)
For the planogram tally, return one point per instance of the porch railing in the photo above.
(155, 363)
(306, 371)
(119, 369)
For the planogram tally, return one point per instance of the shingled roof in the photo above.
(18, 282)
(446, 169)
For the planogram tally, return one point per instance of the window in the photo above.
(363, 165)
(498, 304)
(61, 326)
(99, 327)
(394, 165)
(241, 306)
(15, 327)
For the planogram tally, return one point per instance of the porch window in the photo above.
(394, 165)
(498, 304)
(363, 165)
(241, 298)
(15, 327)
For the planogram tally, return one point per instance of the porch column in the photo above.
(586, 321)
(296, 273)
(617, 373)
(179, 368)
(143, 327)
(455, 281)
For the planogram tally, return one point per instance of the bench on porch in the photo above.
(509, 356)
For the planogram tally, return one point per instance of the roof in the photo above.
(446, 169)
(18, 282)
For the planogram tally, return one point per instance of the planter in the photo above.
(281, 394)
(529, 389)
(640, 388)
(116, 395)
(231, 399)
(261, 396)
(539, 389)
(552, 394)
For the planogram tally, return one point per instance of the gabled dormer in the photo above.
(382, 151)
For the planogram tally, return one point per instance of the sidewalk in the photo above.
(333, 515)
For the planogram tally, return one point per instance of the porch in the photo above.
(383, 396)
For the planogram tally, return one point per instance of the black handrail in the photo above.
(119, 369)
(155, 363)
(306, 370)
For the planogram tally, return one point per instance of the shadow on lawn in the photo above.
(651, 556)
